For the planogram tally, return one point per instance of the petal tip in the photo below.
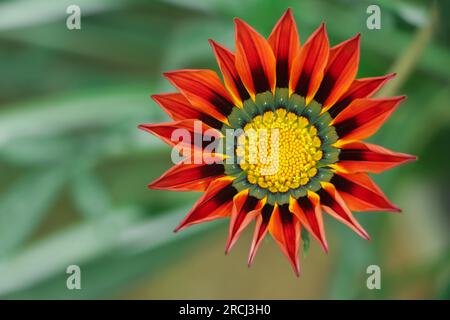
(228, 246)
(391, 75)
(145, 127)
(288, 13)
(171, 74)
(297, 270)
(238, 21)
(180, 227)
(212, 43)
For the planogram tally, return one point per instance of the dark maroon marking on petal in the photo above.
(249, 205)
(223, 196)
(208, 170)
(327, 200)
(370, 86)
(310, 214)
(325, 88)
(189, 176)
(359, 191)
(366, 155)
(288, 222)
(345, 127)
(243, 93)
(260, 81)
(303, 84)
(305, 77)
(181, 111)
(266, 214)
(222, 104)
(341, 105)
(228, 59)
(282, 72)
(210, 121)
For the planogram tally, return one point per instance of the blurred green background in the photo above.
(74, 167)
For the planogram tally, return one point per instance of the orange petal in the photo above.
(179, 108)
(204, 90)
(227, 64)
(333, 203)
(285, 44)
(360, 88)
(245, 209)
(309, 65)
(188, 177)
(255, 60)
(215, 203)
(184, 133)
(285, 228)
(363, 117)
(308, 211)
(365, 157)
(340, 72)
(261, 228)
(361, 193)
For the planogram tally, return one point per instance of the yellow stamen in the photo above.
(279, 151)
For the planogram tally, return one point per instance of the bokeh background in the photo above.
(74, 167)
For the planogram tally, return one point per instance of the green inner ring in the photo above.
(266, 101)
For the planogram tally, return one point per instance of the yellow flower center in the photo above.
(279, 150)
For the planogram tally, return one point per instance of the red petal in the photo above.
(360, 88)
(261, 228)
(204, 90)
(308, 211)
(309, 65)
(179, 108)
(194, 133)
(285, 228)
(340, 72)
(363, 117)
(245, 209)
(255, 60)
(227, 64)
(188, 177)
(285, 43)
(361, 193)
(365, 157)
(336, 207)
(215, 203)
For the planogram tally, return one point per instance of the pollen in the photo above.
(279, 151)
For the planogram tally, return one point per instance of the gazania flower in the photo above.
(314, 114)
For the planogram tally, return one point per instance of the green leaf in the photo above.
(121, 237)
(27, 13)
(24, 204)
(90, 195)
(62, 114)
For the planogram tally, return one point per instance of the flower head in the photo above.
(298, 116)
